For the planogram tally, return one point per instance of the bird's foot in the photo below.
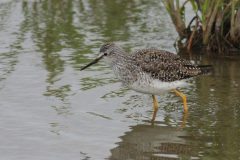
(187, 113)
(182, 124)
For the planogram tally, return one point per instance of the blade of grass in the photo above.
(210, 23)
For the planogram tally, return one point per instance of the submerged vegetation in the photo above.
(217, 24)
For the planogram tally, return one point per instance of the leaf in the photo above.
(204, 7)
(198, 17)
(194, 5)
(169, 10)
(183, 14)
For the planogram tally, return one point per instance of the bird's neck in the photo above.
(123, 67)
(120, 60)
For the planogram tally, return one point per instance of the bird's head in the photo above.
(108, 52)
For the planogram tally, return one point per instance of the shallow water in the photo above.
(51, 110)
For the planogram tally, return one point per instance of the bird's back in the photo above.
(165, 66)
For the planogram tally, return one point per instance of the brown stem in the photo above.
(232, 20)
(176, 17)
(191, 38)
(227, 41)
(218, 28)
(191, 22)
(236, 38)
(218, 22)
(237, 23)
(197, 37)
(229, 4)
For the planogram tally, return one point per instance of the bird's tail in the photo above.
(205, 69)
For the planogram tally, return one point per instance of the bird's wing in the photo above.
(164, 65)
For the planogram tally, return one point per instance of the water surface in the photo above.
(51, 110)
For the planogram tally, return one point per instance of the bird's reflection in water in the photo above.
(183, 123)
(155, 140)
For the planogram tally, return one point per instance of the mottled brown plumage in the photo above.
(164, 65)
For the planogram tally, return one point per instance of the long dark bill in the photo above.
(91, 63)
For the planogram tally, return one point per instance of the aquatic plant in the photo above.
(217, 24)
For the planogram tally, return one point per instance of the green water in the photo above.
(49, 109)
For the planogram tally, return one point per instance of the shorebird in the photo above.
(150, 71)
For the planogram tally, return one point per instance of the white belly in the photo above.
(157, 87)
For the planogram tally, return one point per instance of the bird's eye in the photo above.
(105, 54)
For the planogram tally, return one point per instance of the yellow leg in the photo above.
(155, 102)
(155, 107)
(183, 124)
(184, 101)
